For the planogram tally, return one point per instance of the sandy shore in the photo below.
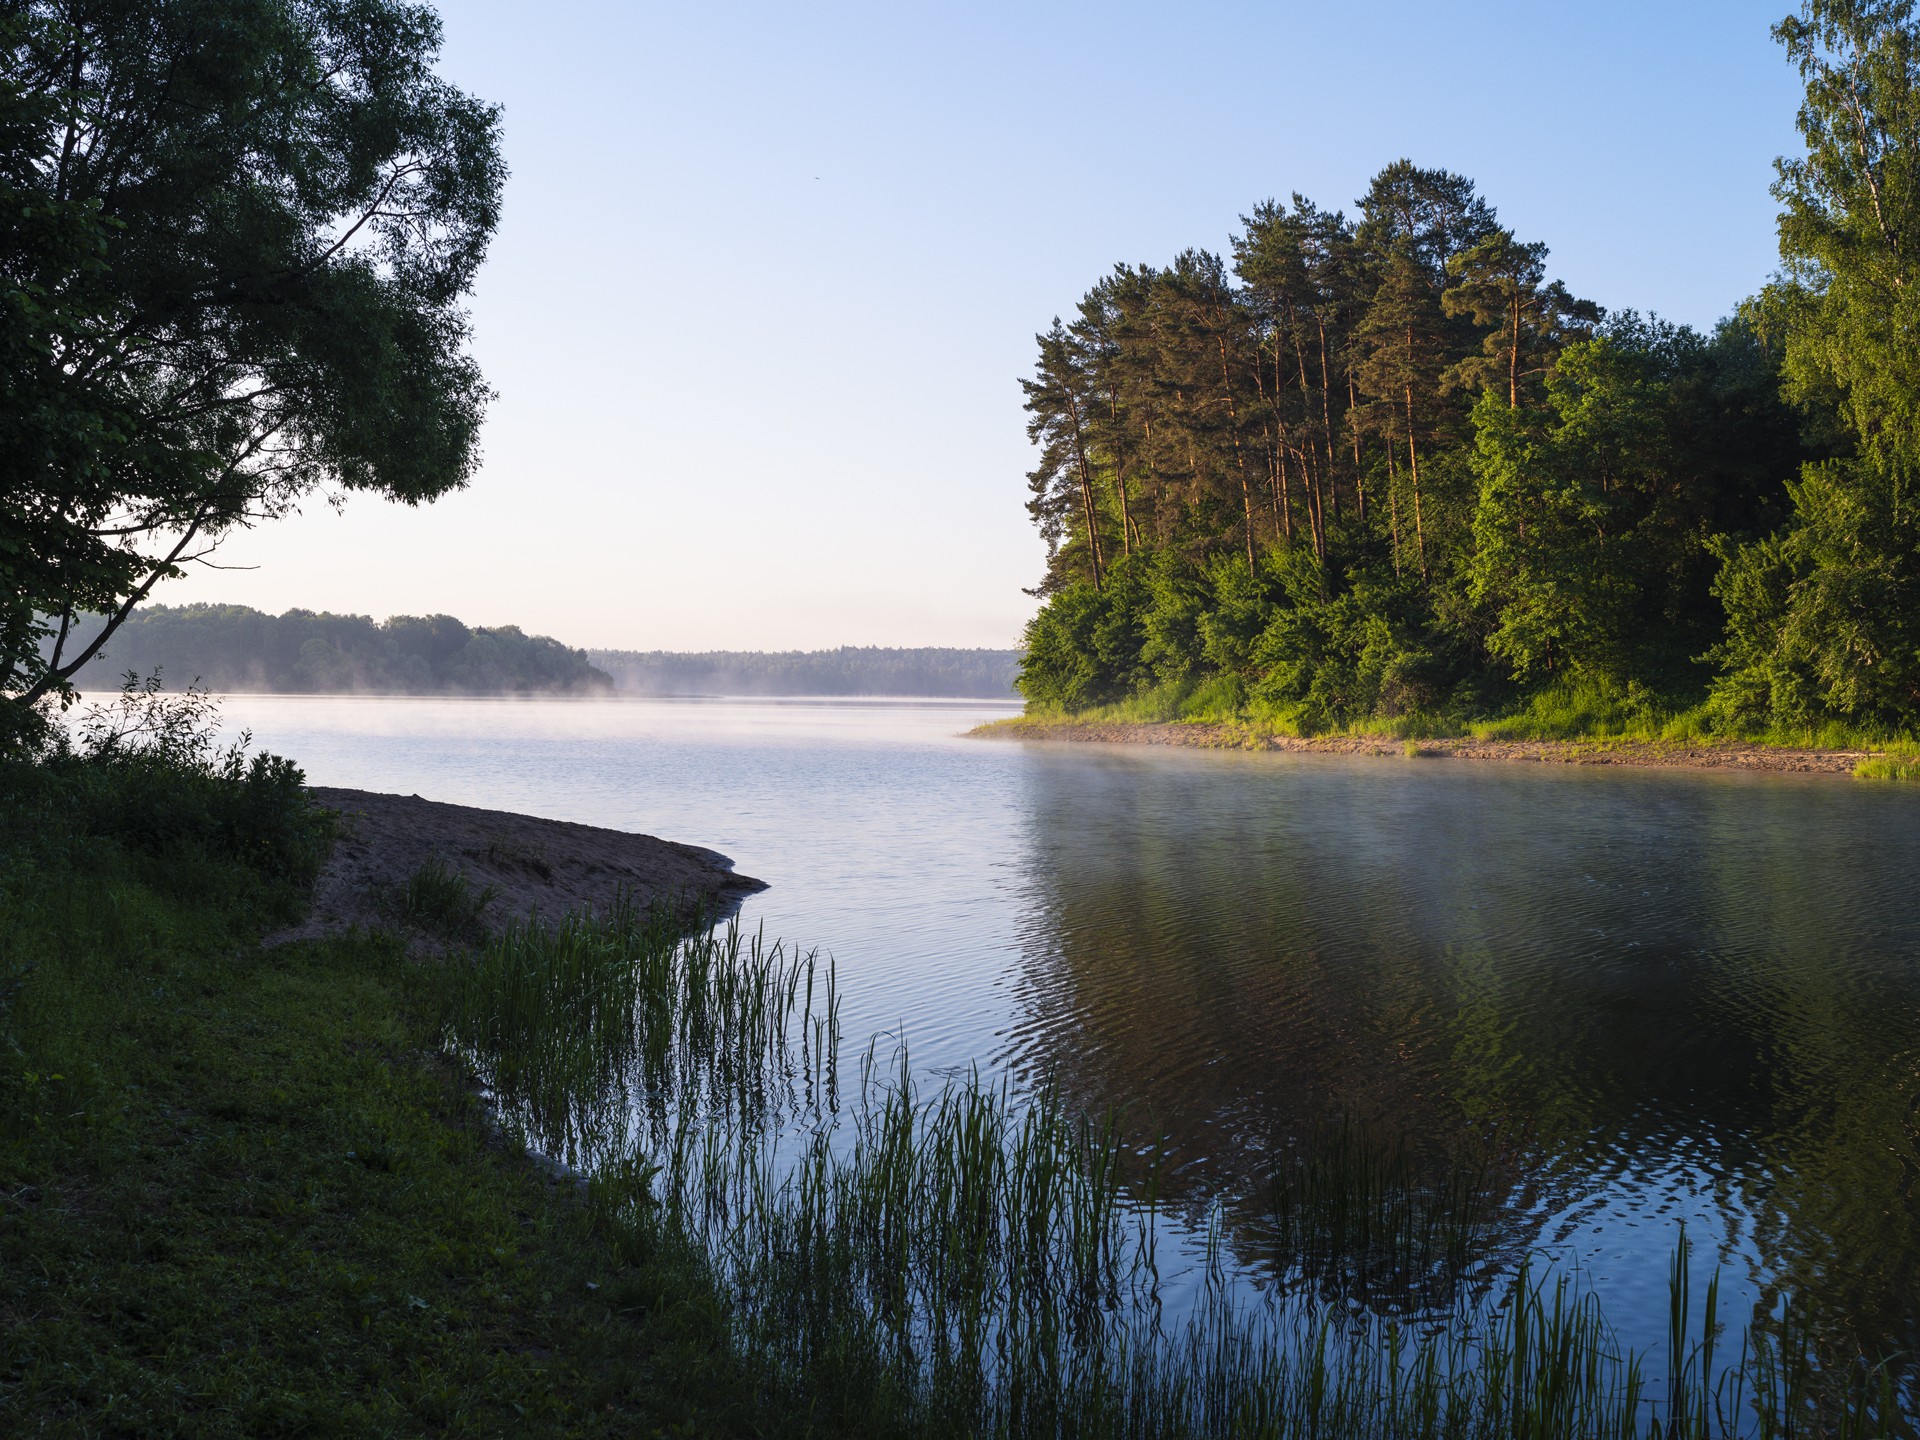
(532, 864)
(1669, 755)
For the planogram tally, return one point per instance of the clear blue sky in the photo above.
(768, 274)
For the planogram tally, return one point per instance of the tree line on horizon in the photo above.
(1384, 465)
(935, 672)
(237, 648)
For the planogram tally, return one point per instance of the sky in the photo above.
(768, 275)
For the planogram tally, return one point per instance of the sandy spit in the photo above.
(548, 866)
(1654, 754)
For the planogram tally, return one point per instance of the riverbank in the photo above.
(243, 1189)
(1658, 754)
(500, 866)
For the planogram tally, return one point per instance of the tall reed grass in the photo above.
(587, 1028)
(972, 1260)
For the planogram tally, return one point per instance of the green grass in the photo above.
(241, 1194)
(443, 900)
(1900, 764)
(1576, 712)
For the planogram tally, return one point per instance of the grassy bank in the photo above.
(241, 1193)
(1570, 722)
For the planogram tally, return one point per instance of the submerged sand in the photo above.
(532, 865)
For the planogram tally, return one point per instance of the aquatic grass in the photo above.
(579, 1025)
(1900, 763)
(977, 1266)
(974, 1260)
(968, 1258)
(443, 900)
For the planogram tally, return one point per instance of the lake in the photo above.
(1686, 997)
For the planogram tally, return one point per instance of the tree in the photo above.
(1110, 334)
(1558, 555)
(1061, 404)
(235, 236)
(1502, 287)
(1402, 349)
(1429, 215)
(1303, 284)
(1824, 619)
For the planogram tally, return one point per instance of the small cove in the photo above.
(1695, 994)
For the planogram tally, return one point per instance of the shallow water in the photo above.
(1694, 994)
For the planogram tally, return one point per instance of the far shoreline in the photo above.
(1743, 756)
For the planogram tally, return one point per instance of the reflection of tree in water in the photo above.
(1621, 973)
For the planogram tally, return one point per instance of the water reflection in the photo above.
(1685, 996)
(1693, 996)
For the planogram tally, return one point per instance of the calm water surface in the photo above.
(1698, 995)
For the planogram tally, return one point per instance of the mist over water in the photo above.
(1692, 996)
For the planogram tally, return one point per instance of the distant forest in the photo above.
(233, 647)
(850, 670)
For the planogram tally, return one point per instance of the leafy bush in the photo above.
(146, 771)
(1823, 618)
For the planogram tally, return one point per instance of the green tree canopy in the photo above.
(1824, 616)
(235, 236)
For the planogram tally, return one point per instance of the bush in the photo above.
(148, 774)
(1823, 619)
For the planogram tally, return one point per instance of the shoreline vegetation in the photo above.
(1899, 762)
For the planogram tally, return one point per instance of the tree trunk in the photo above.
(1239, 455)
(1086, 493)
(1326, 415)
(1393, 505)
(1120, 475)
(1513, 356)
(1413, 466)
(1359, 484)
(1283, 496)
(1316, 517)
(1316, 502)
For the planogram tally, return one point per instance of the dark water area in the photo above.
(1686, 997)
(1662, 998)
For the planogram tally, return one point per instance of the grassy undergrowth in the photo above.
(242, 1195)
(1576, 712)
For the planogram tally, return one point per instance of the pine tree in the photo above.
(1502, 287)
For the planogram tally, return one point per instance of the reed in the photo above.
(1355, 1215)
(1898, 769)
(443, 900)
(585, 1028)
(966, 1259)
